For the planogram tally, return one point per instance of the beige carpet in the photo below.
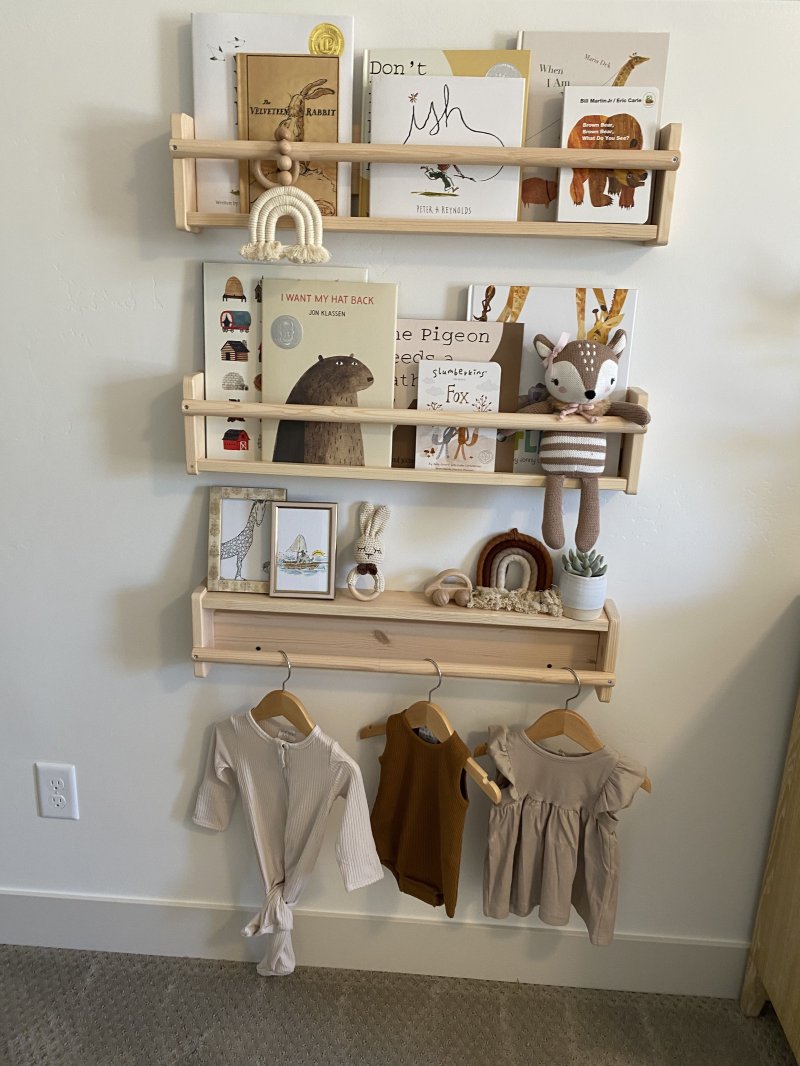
(79, 1008)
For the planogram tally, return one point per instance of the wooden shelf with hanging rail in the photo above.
(397, 632)
(196, 410)
(664, 161)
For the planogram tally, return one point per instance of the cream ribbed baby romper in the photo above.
(552, 838)
(288, 784)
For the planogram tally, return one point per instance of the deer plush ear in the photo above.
(542, 345)
(618, 342)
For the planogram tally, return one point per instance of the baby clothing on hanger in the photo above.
(419, 811)
(552, 838)
(288, 784)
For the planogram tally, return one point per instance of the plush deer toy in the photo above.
(580, 376)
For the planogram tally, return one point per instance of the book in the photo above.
(603, 119)
(424, 109)
(577, 58)
(328, 343)
(232, 345)
(453, 62)
(551, 309)
(216, 39)
(420, 339)
(301, 92)
(462, 388)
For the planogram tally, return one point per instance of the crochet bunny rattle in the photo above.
(369, 550)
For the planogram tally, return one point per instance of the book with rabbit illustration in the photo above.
(232, 346)
(582, 57)
(328, 344)
(302, 93)
(422, 339)
(216, 40)
(464, 389)
(583, 313)
(430, 62)
(442, 111)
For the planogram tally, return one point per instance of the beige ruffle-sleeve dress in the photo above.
(552, 839)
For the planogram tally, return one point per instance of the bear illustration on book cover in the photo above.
(328, 344)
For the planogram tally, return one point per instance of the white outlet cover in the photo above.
(56, 790)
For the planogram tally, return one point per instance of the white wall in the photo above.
(105, 535)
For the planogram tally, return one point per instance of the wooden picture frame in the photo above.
(238, 522)
(303, 556)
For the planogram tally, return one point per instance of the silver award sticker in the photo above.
(503, 70)
(286, 331)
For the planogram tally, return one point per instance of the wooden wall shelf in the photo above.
(196, 410)
(184, 149)
(397, 632)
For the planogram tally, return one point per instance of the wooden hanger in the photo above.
(428, 715)
(563, 722)
(281, 703)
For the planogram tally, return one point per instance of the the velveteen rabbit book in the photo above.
(445, 111)
(464, 389)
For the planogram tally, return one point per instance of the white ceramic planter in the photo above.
(582, 597)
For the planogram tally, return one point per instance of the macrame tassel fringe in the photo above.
(268, 208)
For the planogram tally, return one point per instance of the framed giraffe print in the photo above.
(239, 521)
(303, 550)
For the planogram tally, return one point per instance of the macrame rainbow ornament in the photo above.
(268, 208)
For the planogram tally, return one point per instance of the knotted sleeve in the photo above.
(217, 793)
(355, 849)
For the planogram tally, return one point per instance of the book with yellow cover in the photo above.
(302, 93)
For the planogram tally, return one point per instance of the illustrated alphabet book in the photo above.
(216, 39)
(420, 340)
(584, 313)
(328, 344)
(232, 346)
(301, 91)
(451, 62)
(601, 119)
(577, 58)
(462, 388)
(445, 111)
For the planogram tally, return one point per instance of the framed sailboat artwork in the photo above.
(303, 557)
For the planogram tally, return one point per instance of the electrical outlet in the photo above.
(57, 790)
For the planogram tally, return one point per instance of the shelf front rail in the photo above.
(196, 410)
(665, 160)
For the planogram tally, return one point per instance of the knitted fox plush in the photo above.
(580, 376)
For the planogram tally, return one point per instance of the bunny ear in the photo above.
(380, 520)
(365, 517)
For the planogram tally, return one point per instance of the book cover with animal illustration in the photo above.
(419, 340)
(451, 62)
(302, 93)
(584, 313)
(232, 346)
(624, 119)
(445, 111)
(462, 388)
(329, 344)
(577, 58)
(216, 40)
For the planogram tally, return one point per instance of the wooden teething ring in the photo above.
(378, 585)
(288, 166)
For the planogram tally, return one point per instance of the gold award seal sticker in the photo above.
(326, 40)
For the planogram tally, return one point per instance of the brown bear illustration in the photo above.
(335, 381)
(616, 132)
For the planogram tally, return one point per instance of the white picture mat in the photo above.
(234, 515)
